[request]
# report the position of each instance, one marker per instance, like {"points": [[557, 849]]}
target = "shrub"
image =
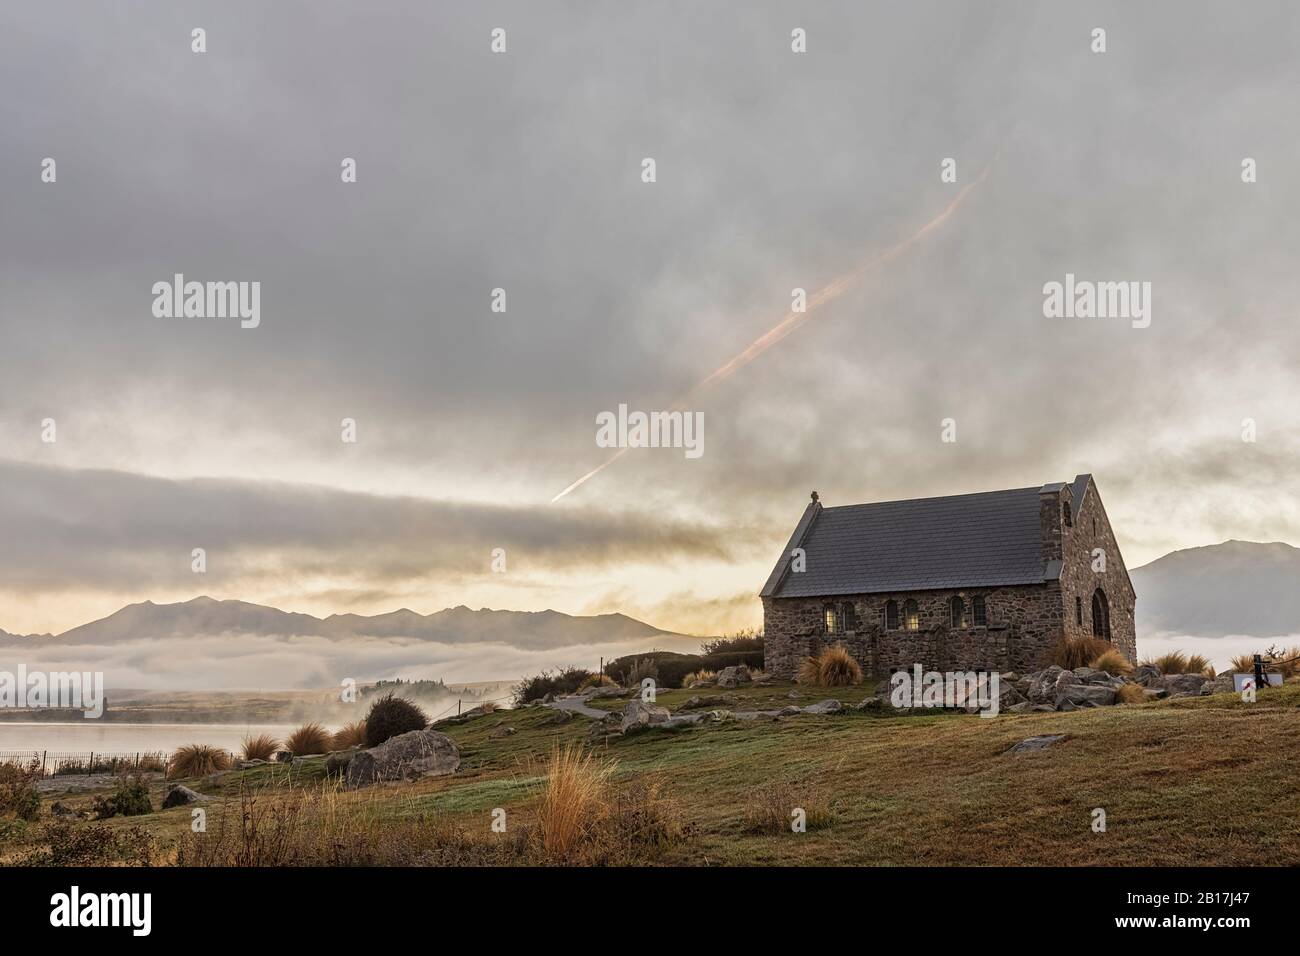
{"points": [[390, 717], [349, 735], [646, 667], [18, 795], [1112, 662], [93, 845], [597, 680], [555, 683], [1129, 694], [674, 667], [750, 640], [809, 672], [261, 747], [197, 760], [129, 799]]}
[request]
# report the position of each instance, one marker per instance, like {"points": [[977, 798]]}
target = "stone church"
{"points": [[988, 581]]}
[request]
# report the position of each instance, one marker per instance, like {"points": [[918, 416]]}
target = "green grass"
{"points": [[1189, 781]]}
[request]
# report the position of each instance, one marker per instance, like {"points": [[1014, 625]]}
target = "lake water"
{"points": [[103, 737]]}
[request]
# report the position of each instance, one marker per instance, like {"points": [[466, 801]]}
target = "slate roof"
{"points": [[981, 540]]}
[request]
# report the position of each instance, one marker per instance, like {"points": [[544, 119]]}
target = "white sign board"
{"points": [[1242, 681]]}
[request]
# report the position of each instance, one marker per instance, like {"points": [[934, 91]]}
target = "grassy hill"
{"points": [[1189, 781]]}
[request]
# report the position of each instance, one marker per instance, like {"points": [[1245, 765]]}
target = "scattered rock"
{"points": [[336, 764], [606, 690], [502, 732], [637, 714], [874, 704], [409, 756], [795, 695], [696, 702], [180, 796], [246, 764], [829, 706], [733, 676], [1035, 743], [1223, 684], [282, 756]]}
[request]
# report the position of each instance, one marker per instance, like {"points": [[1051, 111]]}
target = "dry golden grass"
{"points": [[1112, 662], [573, 801], [597, 680], [699, 675], [488, 707], [261, 747], [1078, 651], [310, 738], [1129, 693], [197, 760], [773, 807], [349, 735]]}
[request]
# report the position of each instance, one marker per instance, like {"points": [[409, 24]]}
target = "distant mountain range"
{"points": [[204, 616], [1237, 587]]}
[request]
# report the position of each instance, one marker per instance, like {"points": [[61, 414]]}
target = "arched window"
{"points": [[891, 615], [1068, 513], [1078, 610], [848, 617], [911, 615], [1100, 615], [957, 612], [979, 610], [828, 617]]}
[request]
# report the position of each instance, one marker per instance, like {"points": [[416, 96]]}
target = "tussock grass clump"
{"points": [[1244, 664], [573, 800], [391, 717], [772, 808], [261, 747], [1176, 662], [349, 735], [699, 676], [1078, 651], [310, 738], [1129, 693], [833, 667], [197, 760], [597, 680], [1112, 662]]}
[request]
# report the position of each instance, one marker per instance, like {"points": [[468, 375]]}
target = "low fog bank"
{"points": [[264, 663]]}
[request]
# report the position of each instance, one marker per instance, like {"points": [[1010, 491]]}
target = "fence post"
{"points": [[91, 768], [44, 753]]}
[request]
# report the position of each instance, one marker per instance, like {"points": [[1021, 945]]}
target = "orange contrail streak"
{"points": [[827, 293]]}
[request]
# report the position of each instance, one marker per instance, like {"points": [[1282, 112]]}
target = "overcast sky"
{"points": [[522, 171]]}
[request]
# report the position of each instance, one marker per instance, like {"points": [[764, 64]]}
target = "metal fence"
{"points": [[60, 762]]}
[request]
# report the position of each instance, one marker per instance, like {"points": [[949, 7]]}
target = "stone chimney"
{"points": [[1051, 499]]}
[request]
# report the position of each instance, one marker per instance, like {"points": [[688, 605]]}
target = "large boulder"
{"points": [[179, 796], [603, 691], [1085, 695], [1042, 686], [408, 756], [1223, 684], [1183, 685], [733, 676], [1148, 675], [637, 715]]}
